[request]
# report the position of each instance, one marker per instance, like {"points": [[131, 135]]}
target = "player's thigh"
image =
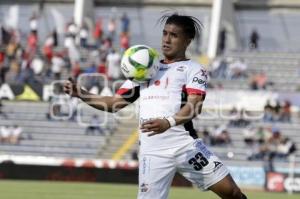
{"points": [[200, 166], [226, 188], [155, 176]]}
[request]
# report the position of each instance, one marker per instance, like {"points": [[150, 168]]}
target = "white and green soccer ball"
{"points": [[140, 63]]}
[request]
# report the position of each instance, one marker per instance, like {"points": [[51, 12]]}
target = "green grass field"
{"points": [[64, 190]]}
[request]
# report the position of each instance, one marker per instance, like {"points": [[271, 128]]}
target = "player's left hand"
{"points": [[155, 126]]}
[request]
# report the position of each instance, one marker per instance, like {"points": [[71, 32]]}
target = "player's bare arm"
{"points": [[104, 103], [190, 110]]}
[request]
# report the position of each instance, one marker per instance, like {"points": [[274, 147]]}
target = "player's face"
{"points": [[174, 42]]}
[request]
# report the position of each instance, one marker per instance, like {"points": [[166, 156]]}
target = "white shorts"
{"points": [[194, 161]]}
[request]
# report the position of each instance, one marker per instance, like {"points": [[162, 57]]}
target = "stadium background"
{"points": [[54, 145]]}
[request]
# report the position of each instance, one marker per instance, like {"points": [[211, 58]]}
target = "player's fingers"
{"points": [[67, 87], [145, 129], [154, 132], [147, 124], [71, 80], [149, 127]]}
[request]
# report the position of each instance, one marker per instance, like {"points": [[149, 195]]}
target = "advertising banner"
{"points": [[282, 182]]}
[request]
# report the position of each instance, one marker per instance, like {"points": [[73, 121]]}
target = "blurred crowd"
{"points": [[266, 142], [12, 134], [277, 112], [83, 50], [237, 69]]}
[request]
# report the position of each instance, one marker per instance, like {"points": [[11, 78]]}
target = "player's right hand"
{"points": [[71, 88]]}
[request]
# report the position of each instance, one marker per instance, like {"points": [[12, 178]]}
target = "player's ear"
{"points": [[188, 42]]}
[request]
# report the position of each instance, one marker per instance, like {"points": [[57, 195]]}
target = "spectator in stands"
{"points": [[220, 136], [111, 27], [5, 36], [92, 68], [37, 65], [98, 31], [72, 29], [259, 81], [5, 133], [102, 67], [268, 112], [254, 38], [239, 118], [13, 49], [124, 42], [72, 50], [237, 69], [59, 105], [27, 75], [249, 135], [13, 72], [32, 43], [33, 23], [285, 115], [57, 66], [76, 70], [286, 147], [94, 125], [2, 113], [48, 48], [262, 135], [222, 40], [113, 65], [3, 69], [83, 36], [206, 136], [55, 37], [125, 22], [106, 46], [94, 57], [219, 68], [16, 134], [92, 80], [277, 111], [74, 104]]}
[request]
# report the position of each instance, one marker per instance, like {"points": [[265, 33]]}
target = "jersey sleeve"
{"points": [[196, 80], [129, 90]]}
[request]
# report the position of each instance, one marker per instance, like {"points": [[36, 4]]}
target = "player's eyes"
{"points": [[174, 35]]}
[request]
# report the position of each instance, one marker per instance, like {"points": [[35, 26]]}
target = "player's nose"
{"points": [[166, 39]]}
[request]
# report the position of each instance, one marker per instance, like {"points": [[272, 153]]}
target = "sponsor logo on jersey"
{"points": [[156, 82], [155, 97], [144, 187], [163, 68], [203, 73], [181, 68], [217, 165], [198, 80]]}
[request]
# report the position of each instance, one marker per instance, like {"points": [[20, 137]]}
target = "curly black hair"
{"points": [[190, 25]]}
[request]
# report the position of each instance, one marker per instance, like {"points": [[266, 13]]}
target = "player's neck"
{"points": [[172, 60]]}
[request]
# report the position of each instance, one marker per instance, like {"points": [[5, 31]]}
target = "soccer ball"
{"points": [[140, 63]]}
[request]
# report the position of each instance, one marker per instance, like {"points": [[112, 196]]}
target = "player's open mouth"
{"points": [[164, 47]]}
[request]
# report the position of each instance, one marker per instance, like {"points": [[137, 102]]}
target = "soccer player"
{"points": [[168, 103]]}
